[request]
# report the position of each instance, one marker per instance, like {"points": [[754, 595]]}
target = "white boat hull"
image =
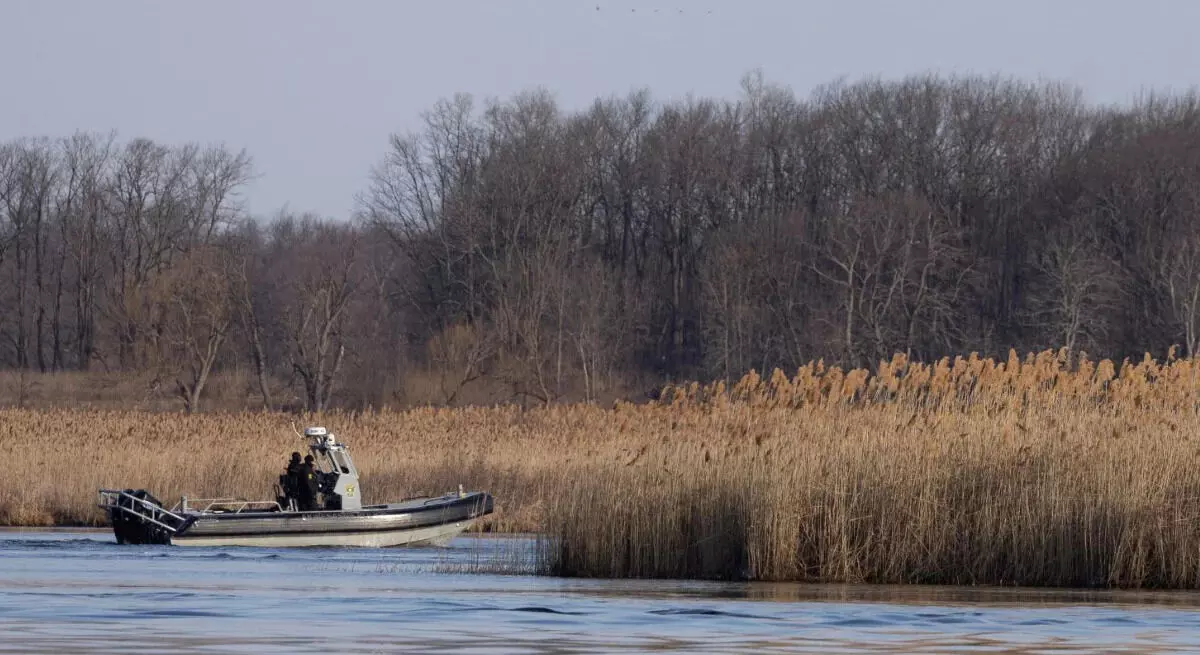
{"points": [[417, 521], [434, 535]]}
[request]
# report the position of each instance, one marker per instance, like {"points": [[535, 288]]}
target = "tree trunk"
{"points": [[39, 287], [57, 363], [260, 363]]}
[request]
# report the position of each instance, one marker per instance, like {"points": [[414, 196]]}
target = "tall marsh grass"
{"points": [[966, 471], [969, 471]]}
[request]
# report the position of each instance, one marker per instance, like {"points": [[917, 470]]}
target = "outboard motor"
{"points": [[133, 526]]}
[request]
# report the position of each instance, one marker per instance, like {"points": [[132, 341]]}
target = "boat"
{"points": [[338, 518]]}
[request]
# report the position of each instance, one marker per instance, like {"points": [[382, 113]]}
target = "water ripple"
{"points": [[703, 611], [546, 610], [67, 592]]}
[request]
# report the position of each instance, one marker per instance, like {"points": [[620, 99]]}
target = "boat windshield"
{"points": [[341, 462], [334, 461]]}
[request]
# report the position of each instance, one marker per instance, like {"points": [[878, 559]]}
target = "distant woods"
{"points": [[516, 251]]}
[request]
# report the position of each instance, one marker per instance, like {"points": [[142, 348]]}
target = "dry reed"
{"points": [[971, 471], [967, 471]]}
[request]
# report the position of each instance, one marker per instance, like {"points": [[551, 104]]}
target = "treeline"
{"points": [[544, 254]]}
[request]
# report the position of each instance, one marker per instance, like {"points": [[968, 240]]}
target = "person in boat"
{"points": [[294, 477], [308, 484]]}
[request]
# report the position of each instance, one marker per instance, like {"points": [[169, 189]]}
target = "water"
{"points": [[80, 592]]}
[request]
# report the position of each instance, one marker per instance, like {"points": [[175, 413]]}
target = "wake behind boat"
{"points": [[296, 518]]}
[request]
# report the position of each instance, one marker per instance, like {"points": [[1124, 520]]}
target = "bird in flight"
{"points": [[634, 10]]}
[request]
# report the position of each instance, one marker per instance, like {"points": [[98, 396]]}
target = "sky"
{"points": [[312, 90]]}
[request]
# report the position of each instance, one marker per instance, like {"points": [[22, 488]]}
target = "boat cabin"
{"points": [[337, 475]]}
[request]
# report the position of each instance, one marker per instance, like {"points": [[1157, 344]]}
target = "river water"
{"points": [[78, 591]]}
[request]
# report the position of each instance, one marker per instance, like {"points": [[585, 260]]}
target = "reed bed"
{"points": [[1042, 471], [1039, 471], [56, 460]]}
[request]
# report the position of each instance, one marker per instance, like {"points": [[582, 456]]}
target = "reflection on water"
{"points": [[80, 592]]}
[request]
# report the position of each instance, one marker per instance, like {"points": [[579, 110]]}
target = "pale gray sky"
{"points": [[312, 89]]}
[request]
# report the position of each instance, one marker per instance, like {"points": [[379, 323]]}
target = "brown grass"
{"points": [[58, 458], [968, 471], [963, 472]]}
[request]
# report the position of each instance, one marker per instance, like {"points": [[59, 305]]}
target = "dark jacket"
{"points": [[308, 479], [295, 476]]}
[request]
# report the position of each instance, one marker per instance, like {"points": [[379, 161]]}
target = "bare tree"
{"points": [[1074, 304], [735, 279], [521, 249], [320, 295], [80, 208], [850, 260], [1179, 275], [459, 356], [164, 202], [200, 314], [249, 314]]}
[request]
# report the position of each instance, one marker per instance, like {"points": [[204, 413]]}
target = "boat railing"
{"points": [[115, 500], [234, 505]]}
